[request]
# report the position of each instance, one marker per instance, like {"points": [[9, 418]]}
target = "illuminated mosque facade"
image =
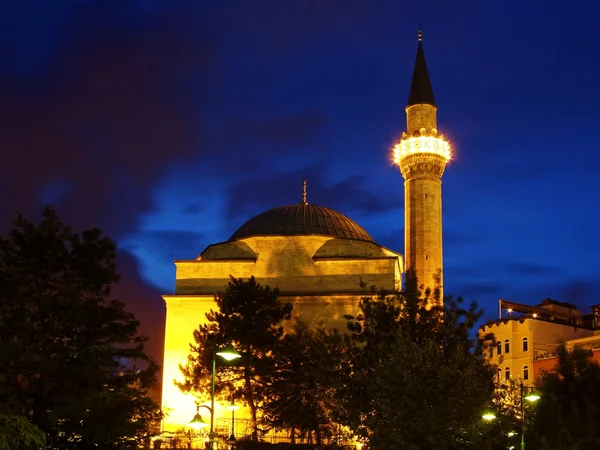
{"points": [[314, 255]]}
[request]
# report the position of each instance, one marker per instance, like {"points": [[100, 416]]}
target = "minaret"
{"points": [[422, 155]]}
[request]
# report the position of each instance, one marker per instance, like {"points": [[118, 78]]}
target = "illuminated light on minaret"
{"points": [[422, 155]]}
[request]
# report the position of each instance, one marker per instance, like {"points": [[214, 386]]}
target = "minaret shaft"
{"points": [[423, 230]]}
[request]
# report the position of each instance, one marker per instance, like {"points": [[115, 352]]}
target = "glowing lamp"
{"points": [[229, 353], [421, 144], [197, 423], [489, 416], [533, 397], [232, 406]]}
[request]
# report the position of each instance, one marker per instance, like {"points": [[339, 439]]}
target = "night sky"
{"points": [[168, 124]]}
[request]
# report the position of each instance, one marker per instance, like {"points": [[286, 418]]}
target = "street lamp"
{"points": [[228, 353], [232, 407], [197, 423], [488, 416], [531, 397]]}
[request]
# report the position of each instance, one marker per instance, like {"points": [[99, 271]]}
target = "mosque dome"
{"points": [[302, 219]]}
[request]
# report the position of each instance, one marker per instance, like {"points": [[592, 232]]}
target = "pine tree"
{"points": [[250, 317], [71, 360]]}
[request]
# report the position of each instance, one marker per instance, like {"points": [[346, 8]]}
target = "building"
{"points": [[528, 336], [314, 255], [422, 155]]}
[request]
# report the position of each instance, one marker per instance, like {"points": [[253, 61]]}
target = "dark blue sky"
{"points": [[169, 124]]}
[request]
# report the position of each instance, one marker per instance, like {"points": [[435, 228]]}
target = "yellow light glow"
{"points": [[488, 416], [198, 423], [421, 144], [534, 315], [509, 310]]}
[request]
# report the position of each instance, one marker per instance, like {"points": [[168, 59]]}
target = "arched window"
{"points": [[506, 346], [507, 373], [491, 352], [525, 344], [525, 372], [499, 348]]}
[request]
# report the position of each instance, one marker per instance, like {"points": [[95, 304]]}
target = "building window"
{"points": [[499, 348], [525, 372], [506, 346], [525, 345], [491, 352], [507, 373]]}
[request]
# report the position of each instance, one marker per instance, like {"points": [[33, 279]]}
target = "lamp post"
{"points": [[228, 353], [531, 397], [232, 407]]}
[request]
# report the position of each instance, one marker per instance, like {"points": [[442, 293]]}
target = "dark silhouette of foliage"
{"points": [[304, 382], [568, 413], [72, 362], [250, 317], [17, 433], [416, 377]]}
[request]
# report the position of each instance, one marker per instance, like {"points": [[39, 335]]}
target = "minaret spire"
{"points": [[304, 192], [421, 91]]}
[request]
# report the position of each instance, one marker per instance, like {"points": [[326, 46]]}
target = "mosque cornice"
{"points": [[222, 260], [298, 297], [353, 258]]}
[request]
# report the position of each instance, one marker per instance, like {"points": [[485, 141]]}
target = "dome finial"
{"points": [[420, 34], [304, 192]]}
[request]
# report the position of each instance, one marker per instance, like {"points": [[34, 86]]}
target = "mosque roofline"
{"points": [[283, 294], [279, 235], [522, 319], [347, 258], [179, 261]]}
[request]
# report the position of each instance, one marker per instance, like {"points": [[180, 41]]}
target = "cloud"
{"points": [[142, 300], [90, 124], [349, 196], [169, 245], [106, 114], [530, 269], [192, 208]]}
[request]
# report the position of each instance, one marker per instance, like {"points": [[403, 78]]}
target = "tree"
{"points": [[249, 316], [416, 378], [304, 381], [17, 433], [568, 412], [72, 361]]}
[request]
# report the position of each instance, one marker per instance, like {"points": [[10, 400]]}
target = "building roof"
{"points": [[420, 87], [301, 219]]}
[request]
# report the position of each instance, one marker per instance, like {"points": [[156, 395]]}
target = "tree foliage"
{"points": [[416, 378], [71, 361], [250, 317], [568, 412], [303, 385], [17, 433]]}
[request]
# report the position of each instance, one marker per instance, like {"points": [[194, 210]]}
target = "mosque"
{"points": [[317, 256]]}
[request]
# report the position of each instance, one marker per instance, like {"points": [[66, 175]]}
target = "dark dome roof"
{"points": [[301, 219]]}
